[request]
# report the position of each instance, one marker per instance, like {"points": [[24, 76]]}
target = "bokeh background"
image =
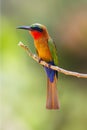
{"points": [[23, 81]]}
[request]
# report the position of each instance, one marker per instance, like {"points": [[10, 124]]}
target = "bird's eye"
{"points": [[37, 28]]}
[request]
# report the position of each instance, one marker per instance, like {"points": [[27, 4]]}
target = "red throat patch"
{"points": [[36, 35]]}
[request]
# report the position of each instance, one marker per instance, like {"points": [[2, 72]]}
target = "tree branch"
{"points": [[36, 58]]}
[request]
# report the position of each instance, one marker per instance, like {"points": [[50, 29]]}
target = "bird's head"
{"points": [[36, 30]]}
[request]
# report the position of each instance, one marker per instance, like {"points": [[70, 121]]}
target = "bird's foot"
{"points": [[39, 60]]}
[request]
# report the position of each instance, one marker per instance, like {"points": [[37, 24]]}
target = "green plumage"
{"points": [[53, 51]]}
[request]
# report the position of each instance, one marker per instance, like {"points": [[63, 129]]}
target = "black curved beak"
{"points": [[24, 27]]}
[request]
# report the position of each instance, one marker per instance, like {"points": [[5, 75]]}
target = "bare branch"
{"points": [[36, 58]]}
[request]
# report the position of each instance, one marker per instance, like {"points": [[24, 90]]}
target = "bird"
{"points": [[46, 51]]}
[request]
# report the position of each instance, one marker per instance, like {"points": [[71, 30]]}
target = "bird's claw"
{"points": [[39, 60]]}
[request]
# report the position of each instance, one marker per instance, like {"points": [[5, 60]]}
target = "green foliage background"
{"points": [[23, 81]]}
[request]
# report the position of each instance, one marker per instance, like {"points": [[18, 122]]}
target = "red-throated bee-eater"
{"points": [[46, 51]]}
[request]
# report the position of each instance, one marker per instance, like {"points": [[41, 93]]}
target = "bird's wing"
{"points": [[53, 50]]}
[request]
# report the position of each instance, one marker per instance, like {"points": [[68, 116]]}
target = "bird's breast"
{"points": [[43, 50]]}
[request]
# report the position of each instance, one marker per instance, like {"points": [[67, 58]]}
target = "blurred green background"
{"points": [[23, 81]]}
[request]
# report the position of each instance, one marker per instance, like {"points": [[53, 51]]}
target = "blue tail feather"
{"points": [[50, 73]]}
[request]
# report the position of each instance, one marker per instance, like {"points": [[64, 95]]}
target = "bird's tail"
{"points": [[52, 96]]}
